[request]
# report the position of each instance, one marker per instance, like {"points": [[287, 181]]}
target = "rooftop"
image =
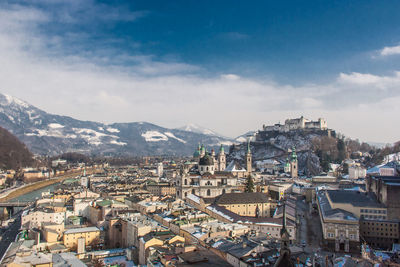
{"points": [[241, 198], [355, 198], [82, 230]]}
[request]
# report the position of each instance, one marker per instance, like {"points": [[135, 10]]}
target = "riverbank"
{"points": [[29, 188], [38, 185]]}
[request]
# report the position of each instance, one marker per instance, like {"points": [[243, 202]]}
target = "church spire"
{"points": [[284, 257], [285, 237]]}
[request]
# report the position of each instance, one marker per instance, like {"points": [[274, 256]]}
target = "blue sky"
{"points": [[179, 62]]}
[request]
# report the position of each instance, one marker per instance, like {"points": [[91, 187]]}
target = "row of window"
{"points": [[374, 217], [381, 224], [373, 211], [381, 234], [332, 235]]}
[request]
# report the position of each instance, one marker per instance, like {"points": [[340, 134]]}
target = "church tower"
{"points": [[294, 172], [284, 257], [221, 159], [248, 159], [202, 151]]}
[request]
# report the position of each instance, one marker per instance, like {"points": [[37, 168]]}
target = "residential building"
{"points": [[90, 235]]}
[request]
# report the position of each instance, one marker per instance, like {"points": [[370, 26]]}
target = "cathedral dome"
{"points": [[207, 160], [196, 154]]}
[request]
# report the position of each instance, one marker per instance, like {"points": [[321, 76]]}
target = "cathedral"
{"points": [[208, 175]]}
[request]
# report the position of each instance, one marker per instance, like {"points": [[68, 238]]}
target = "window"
{"points": [[208, 192]]}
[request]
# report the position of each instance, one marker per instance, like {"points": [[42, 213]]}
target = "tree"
{"points": [[341, 146], [249, 184]]}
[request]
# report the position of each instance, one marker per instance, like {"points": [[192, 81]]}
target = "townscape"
{"points": [[207, 210], [199, 133]]}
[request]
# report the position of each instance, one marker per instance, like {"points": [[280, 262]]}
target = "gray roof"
{"points": [[82, 230], [333, 214], [241, 198], [355, 198]]}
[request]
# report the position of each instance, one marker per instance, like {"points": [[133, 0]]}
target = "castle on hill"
{"points": [[297, 124]]}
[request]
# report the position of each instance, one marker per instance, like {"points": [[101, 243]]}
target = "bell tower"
{"points": [[221, 159], [294, 172], [248, 159]]}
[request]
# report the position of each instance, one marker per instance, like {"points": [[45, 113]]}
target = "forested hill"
{"points": [[13, 153]]}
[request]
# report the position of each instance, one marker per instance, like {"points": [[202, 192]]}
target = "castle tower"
{"points": [[248, 159], [221, 159], [294, 172]]}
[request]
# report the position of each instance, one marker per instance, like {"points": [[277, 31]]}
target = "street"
{"points": [[9, 234]]}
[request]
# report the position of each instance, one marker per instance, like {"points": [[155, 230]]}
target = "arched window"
{"points": [[185, 181], [208, 192], [207, 168], [185, 194], [193, 191]]}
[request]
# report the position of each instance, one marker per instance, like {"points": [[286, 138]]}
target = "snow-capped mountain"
{"points": [[50, 134], [246, 137], [194, 128]]}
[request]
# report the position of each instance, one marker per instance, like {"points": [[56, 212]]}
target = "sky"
{"points": [[230, 66]]}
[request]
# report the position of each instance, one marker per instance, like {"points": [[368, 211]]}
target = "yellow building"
{"points": [[90, 234], [246, 204]]}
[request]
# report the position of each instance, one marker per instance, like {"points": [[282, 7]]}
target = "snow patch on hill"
{"points": [[197, 129], [115, 142], [51, 133], [112, 130], [154, 136], [169, 134], [55, 126], [16, 101], [91, 136]]}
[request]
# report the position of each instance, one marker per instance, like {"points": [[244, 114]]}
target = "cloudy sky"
{"points": [[231, 66]]}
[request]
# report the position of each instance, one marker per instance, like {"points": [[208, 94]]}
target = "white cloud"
{"points": [[359, 78], [390, 50], [232, 77]]}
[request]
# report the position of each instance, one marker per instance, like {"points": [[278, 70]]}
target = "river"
{"points": [[32, 196]]}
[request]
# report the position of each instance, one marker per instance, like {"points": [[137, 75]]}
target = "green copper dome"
{"points": [[196, 154]]}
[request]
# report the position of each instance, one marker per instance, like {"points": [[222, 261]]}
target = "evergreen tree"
{"points": [[249, 184], [341, 146]]}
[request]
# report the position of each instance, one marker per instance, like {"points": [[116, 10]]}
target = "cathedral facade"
{"points": [[208, 177]]}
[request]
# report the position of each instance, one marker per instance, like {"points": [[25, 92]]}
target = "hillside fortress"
{"points": [[293, 127], [297, 124]]}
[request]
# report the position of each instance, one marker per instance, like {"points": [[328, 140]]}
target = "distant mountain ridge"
{"points": [[50, 134], [194, 128]]}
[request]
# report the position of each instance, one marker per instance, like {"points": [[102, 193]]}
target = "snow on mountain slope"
{"points": [[50, 134], [194, 128]]}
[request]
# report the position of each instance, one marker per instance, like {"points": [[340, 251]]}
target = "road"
{"points": [[310, 230], [9, 234]]}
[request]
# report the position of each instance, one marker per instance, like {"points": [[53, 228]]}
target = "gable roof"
{"points": [[241, 198]]}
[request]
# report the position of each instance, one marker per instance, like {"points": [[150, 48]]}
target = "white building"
{"points": [[356, 172]]}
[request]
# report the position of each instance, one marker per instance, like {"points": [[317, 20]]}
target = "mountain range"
{"points": [[49, 134]]}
